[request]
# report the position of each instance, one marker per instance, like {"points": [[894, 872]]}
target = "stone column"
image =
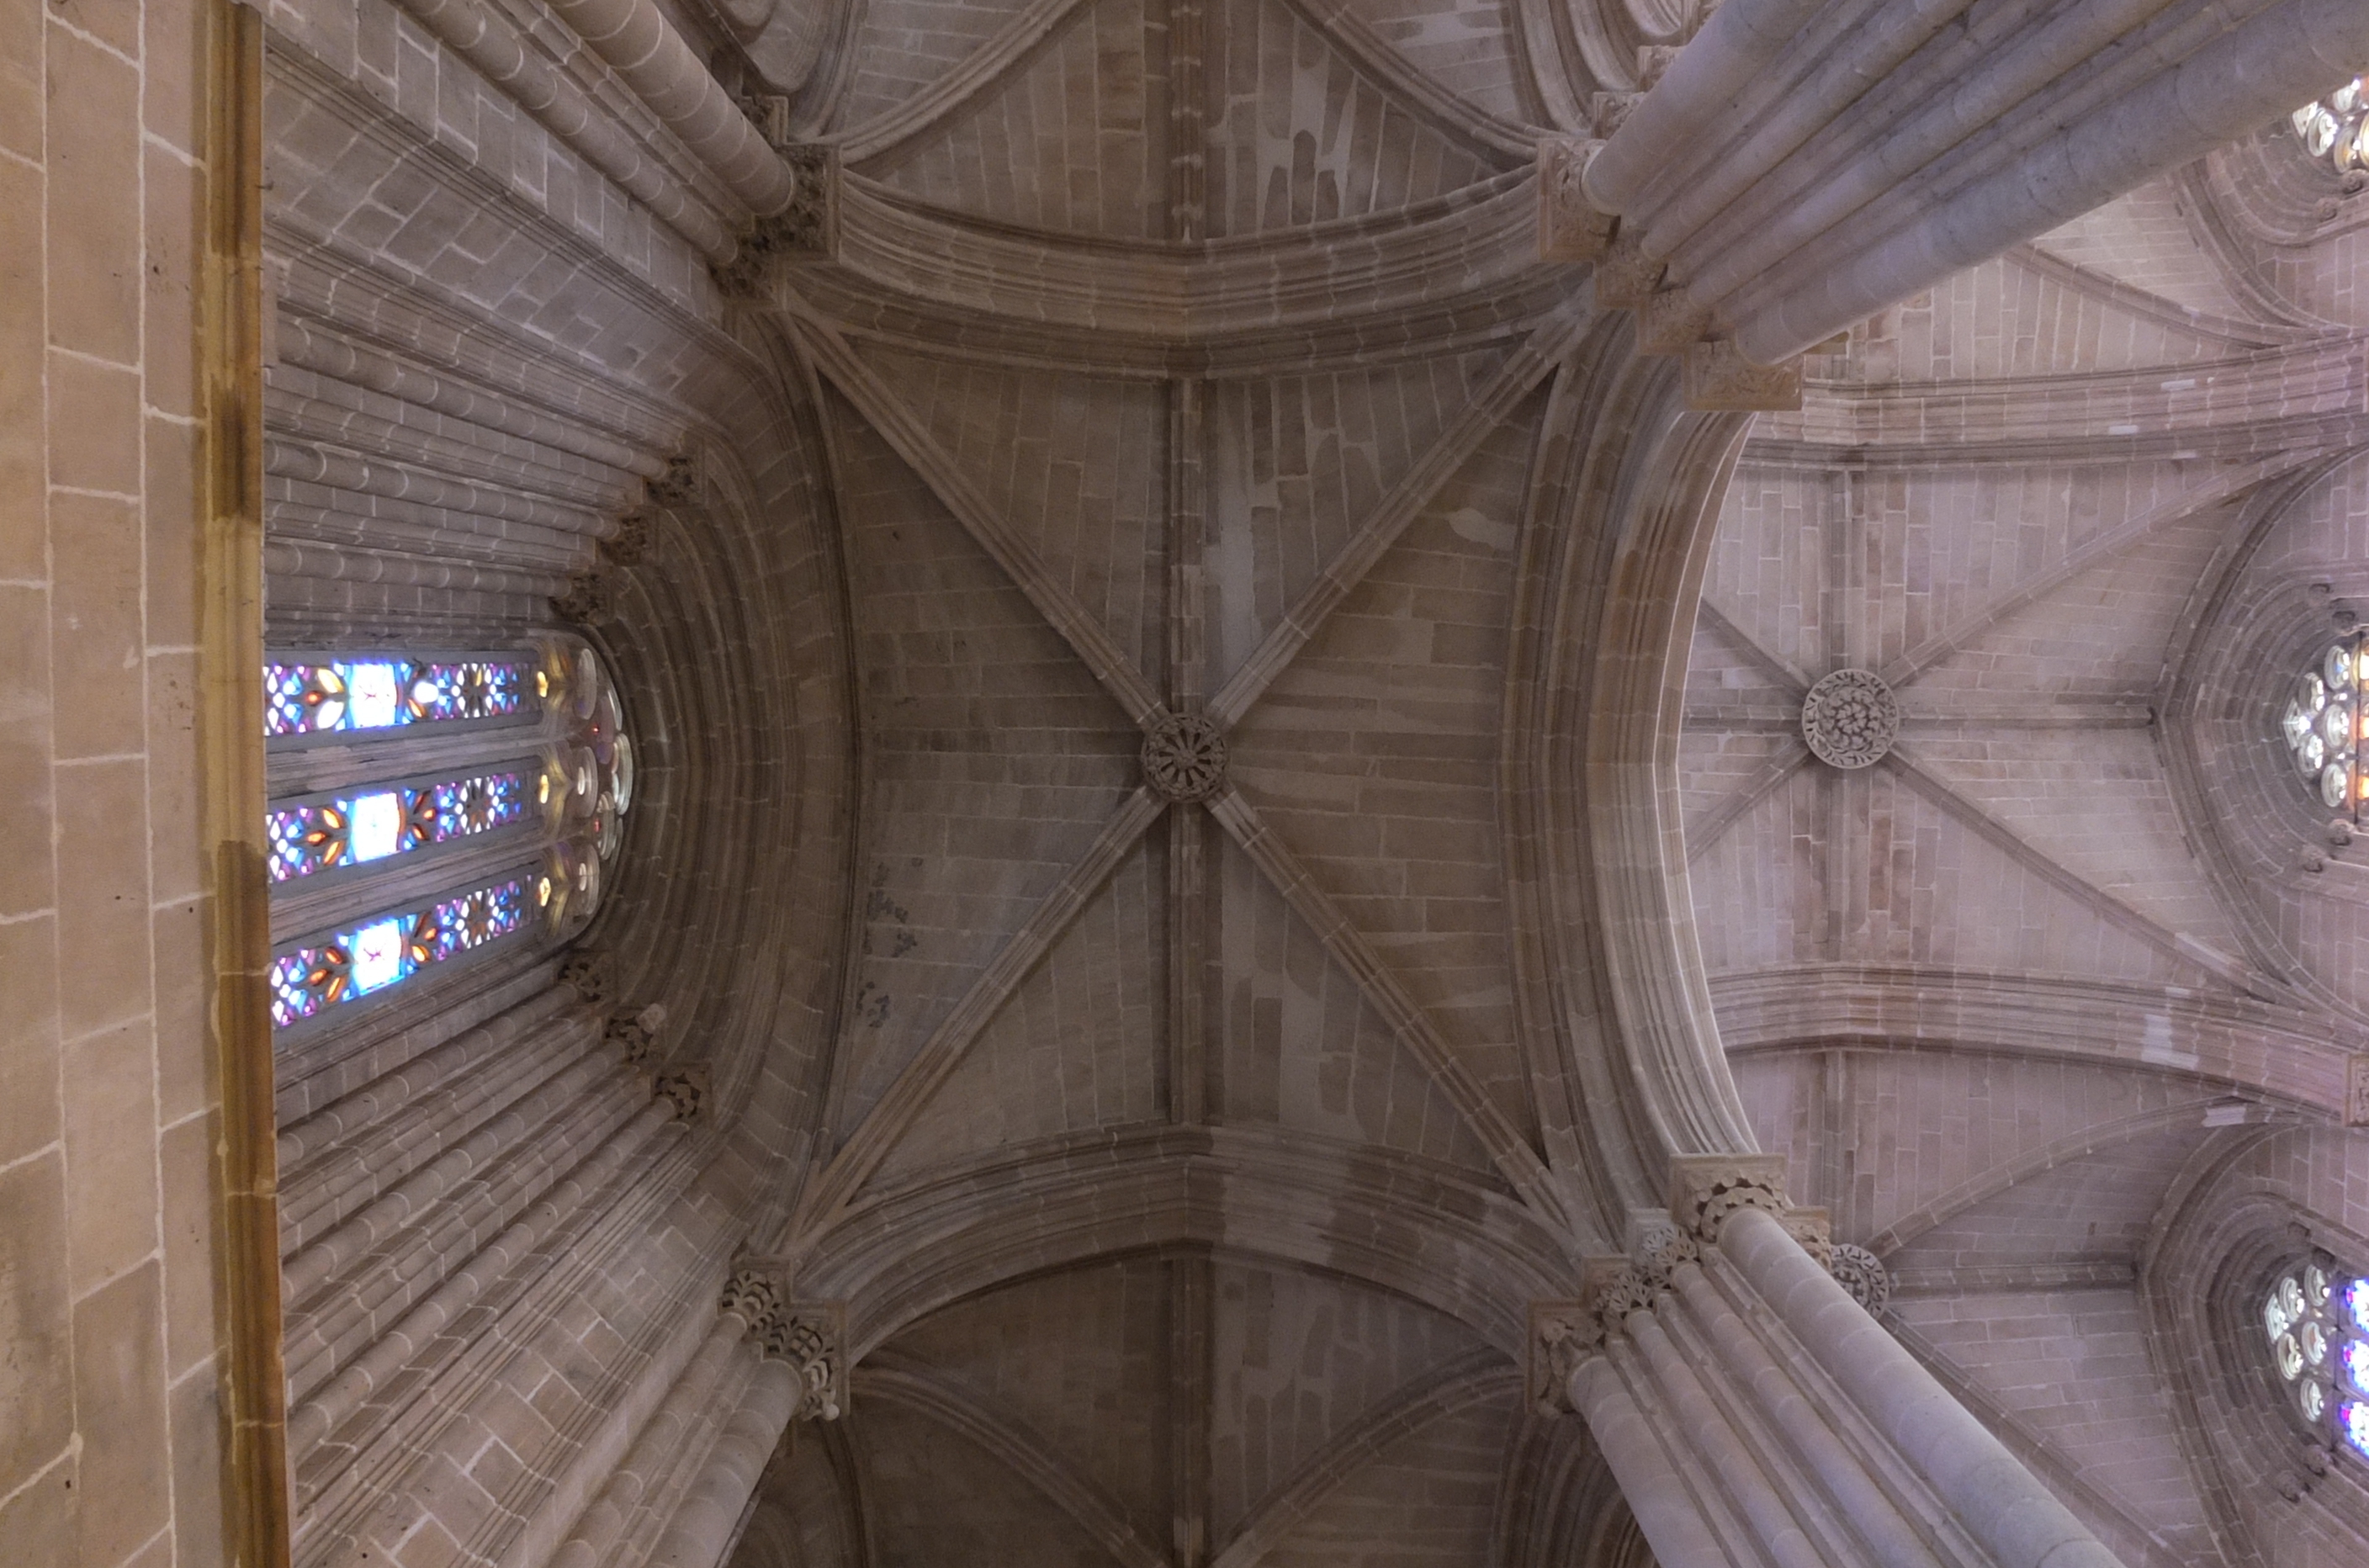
{"points": [[1757, 1413], [800, 1373]]}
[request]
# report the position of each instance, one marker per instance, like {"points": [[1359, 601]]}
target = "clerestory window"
{"points": [[2337, 127], [2324, 726], [2316, 1322], [427, 807]]}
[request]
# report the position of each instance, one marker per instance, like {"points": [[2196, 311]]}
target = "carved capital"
{"points": [[629, 543], [805, 230], [1814, 1231], [1564, 1334], [1607, 110], [1719, 379], [1570, 228], [586, 971], [1706, 1189], [811, 1338], [588, 600], [685, 1089], [678, 486], [1862, 1272], [635, 1033], [1652, 61]]}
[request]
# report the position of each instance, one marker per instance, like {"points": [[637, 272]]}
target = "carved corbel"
{"points": [[1720, 378], [1570, 228]]}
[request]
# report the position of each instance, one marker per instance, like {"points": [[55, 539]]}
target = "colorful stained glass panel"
{"points": [[358, 828], [358, 695], [385, 951]]}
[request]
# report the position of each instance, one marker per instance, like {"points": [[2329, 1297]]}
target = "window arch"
{"points": [[425, 807], [2324, 727], [2314, 1320], [2336, 128]]}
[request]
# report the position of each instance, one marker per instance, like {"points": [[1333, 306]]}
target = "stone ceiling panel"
{"points": [[1757, 900], [1296, 466], [1297, 134], [903, 46], [1375, 756], [1077, 466], [1081, 1044], [935, 1497], [1469, 47], [2144, 239], [1300, 1358], [1068, 140], [2097, 1210], [1299, 1045], [1082, 1360], [995, 761], [2097, 803], [1428, 1501]]}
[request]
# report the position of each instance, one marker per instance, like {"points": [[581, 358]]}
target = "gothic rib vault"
{"points": [[1315, 880]]}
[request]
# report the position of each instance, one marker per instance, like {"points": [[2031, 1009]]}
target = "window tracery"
{"points": [[2317, 1324], [2336, 128], [2324, 724], [523, 837]]}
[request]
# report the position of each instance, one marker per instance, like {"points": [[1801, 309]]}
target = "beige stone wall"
{"points": [[108, 1111]]}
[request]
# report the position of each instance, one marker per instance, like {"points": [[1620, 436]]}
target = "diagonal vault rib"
{"points": [[1530, 364], [1349, 948], [903, 430]]}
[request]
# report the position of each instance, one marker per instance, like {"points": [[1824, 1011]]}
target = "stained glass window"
{"points": [[311, 979], [312, 698], [2315, 1325], [311, 836], [2337, 127], [562, 775], [2324, 727]]}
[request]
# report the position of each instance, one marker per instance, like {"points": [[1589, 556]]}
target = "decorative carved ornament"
{"points": [[1850, 720], [1570, 228], [1184, 757], [586, 971], [807, 1336], [1862, 1272], [1706, 1189], [635, 1033], [588, 600], [2356, 1090], [685, 1090], [807, 229], [1719, 379]]}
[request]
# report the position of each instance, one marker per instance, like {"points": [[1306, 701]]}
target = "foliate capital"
{"points": [[1564, 1334], [810, 1337], [1706, 1189]]}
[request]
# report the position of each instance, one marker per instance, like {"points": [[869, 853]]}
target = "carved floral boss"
{"points": [[1183, 759]]}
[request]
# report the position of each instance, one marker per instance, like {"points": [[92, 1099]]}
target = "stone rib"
{"points": [[1508, 1148]]}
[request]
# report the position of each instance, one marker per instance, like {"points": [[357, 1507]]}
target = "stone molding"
{"points": [[1183, 759], [1850, 720], [810, 1337]]}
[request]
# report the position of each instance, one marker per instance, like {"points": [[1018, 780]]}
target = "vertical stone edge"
{"points": [[253, 1381]]}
